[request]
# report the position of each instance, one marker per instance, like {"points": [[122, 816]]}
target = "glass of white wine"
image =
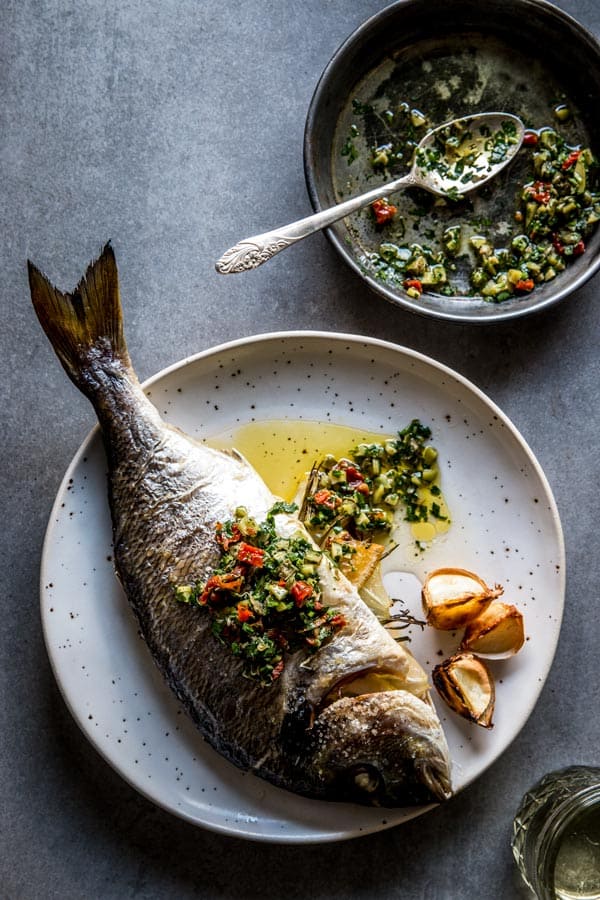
{"points": [[556, 835]]}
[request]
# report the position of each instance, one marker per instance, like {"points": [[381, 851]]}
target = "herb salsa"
{"points": [[429, 247], [555, 211], [361, 495], [264, 597]]}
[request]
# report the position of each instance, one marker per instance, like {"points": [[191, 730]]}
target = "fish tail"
{"points": [[84, 327]]}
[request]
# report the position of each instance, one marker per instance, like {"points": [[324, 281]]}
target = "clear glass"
{"points": [[556, 835]]}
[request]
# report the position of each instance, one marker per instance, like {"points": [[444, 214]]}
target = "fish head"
{"points": [[381, 749]]}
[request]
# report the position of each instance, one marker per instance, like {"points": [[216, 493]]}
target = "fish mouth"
{"points": [[381, 749]]}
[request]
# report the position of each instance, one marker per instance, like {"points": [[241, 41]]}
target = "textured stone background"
{"points": [[173, 127]]}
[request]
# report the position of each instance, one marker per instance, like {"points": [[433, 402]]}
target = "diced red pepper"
{"points": [[540, 191], [356, 480], [530, 138], [244, 612], [301, 591], [325, 498], [254, 556], [224, 539], [352, 474], [525, 284], [558, 244], [232, 582], [579, 248], [571, 159], [338, 621], [383, 211], [414, 283]]}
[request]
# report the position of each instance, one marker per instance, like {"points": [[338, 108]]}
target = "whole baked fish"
{"points": [[349, 720]]}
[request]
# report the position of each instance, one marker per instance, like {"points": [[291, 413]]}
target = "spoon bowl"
{"points": [[464, 154], [450, 161]]}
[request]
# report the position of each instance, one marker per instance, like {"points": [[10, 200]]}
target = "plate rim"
{"points": [[240, 830]]}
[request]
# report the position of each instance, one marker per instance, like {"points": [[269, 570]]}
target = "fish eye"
{"points": [[366, 779]]}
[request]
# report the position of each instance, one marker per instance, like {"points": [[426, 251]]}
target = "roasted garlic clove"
{"points": [[466, 684], [497, 632], [452, 597]]}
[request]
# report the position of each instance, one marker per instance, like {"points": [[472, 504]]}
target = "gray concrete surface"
{"points": [[172, 127]]}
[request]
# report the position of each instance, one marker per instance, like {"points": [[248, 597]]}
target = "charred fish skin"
{"points": [[167, 492]]}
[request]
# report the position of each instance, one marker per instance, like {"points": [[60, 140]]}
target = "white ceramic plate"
{"points": [[505, 527]]}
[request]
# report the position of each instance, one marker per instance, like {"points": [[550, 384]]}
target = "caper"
{"points": [[430, 454], [562, 112], [378, 493]]}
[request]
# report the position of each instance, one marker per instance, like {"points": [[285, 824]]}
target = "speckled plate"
{"points": [[504, 526]]}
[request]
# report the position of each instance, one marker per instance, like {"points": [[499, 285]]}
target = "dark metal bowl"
{"points": [[562, 53]]}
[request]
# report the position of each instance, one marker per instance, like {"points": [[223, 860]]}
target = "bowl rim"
{"points": [[394, 296]]}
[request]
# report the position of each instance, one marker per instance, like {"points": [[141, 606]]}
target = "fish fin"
{"points": [[86, 324]]}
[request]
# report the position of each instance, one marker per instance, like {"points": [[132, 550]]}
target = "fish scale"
{"points": [[166, 493]]}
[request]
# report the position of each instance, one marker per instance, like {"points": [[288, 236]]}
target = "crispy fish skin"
{"points": [[166, 494]]}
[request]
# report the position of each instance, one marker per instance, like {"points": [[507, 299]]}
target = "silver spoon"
{"points": [[450, 161]]}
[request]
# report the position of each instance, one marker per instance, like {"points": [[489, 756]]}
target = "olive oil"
{"points": [[283, 451]]}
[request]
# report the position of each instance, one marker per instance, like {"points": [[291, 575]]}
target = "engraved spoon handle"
{"points": [[254, 251]]}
